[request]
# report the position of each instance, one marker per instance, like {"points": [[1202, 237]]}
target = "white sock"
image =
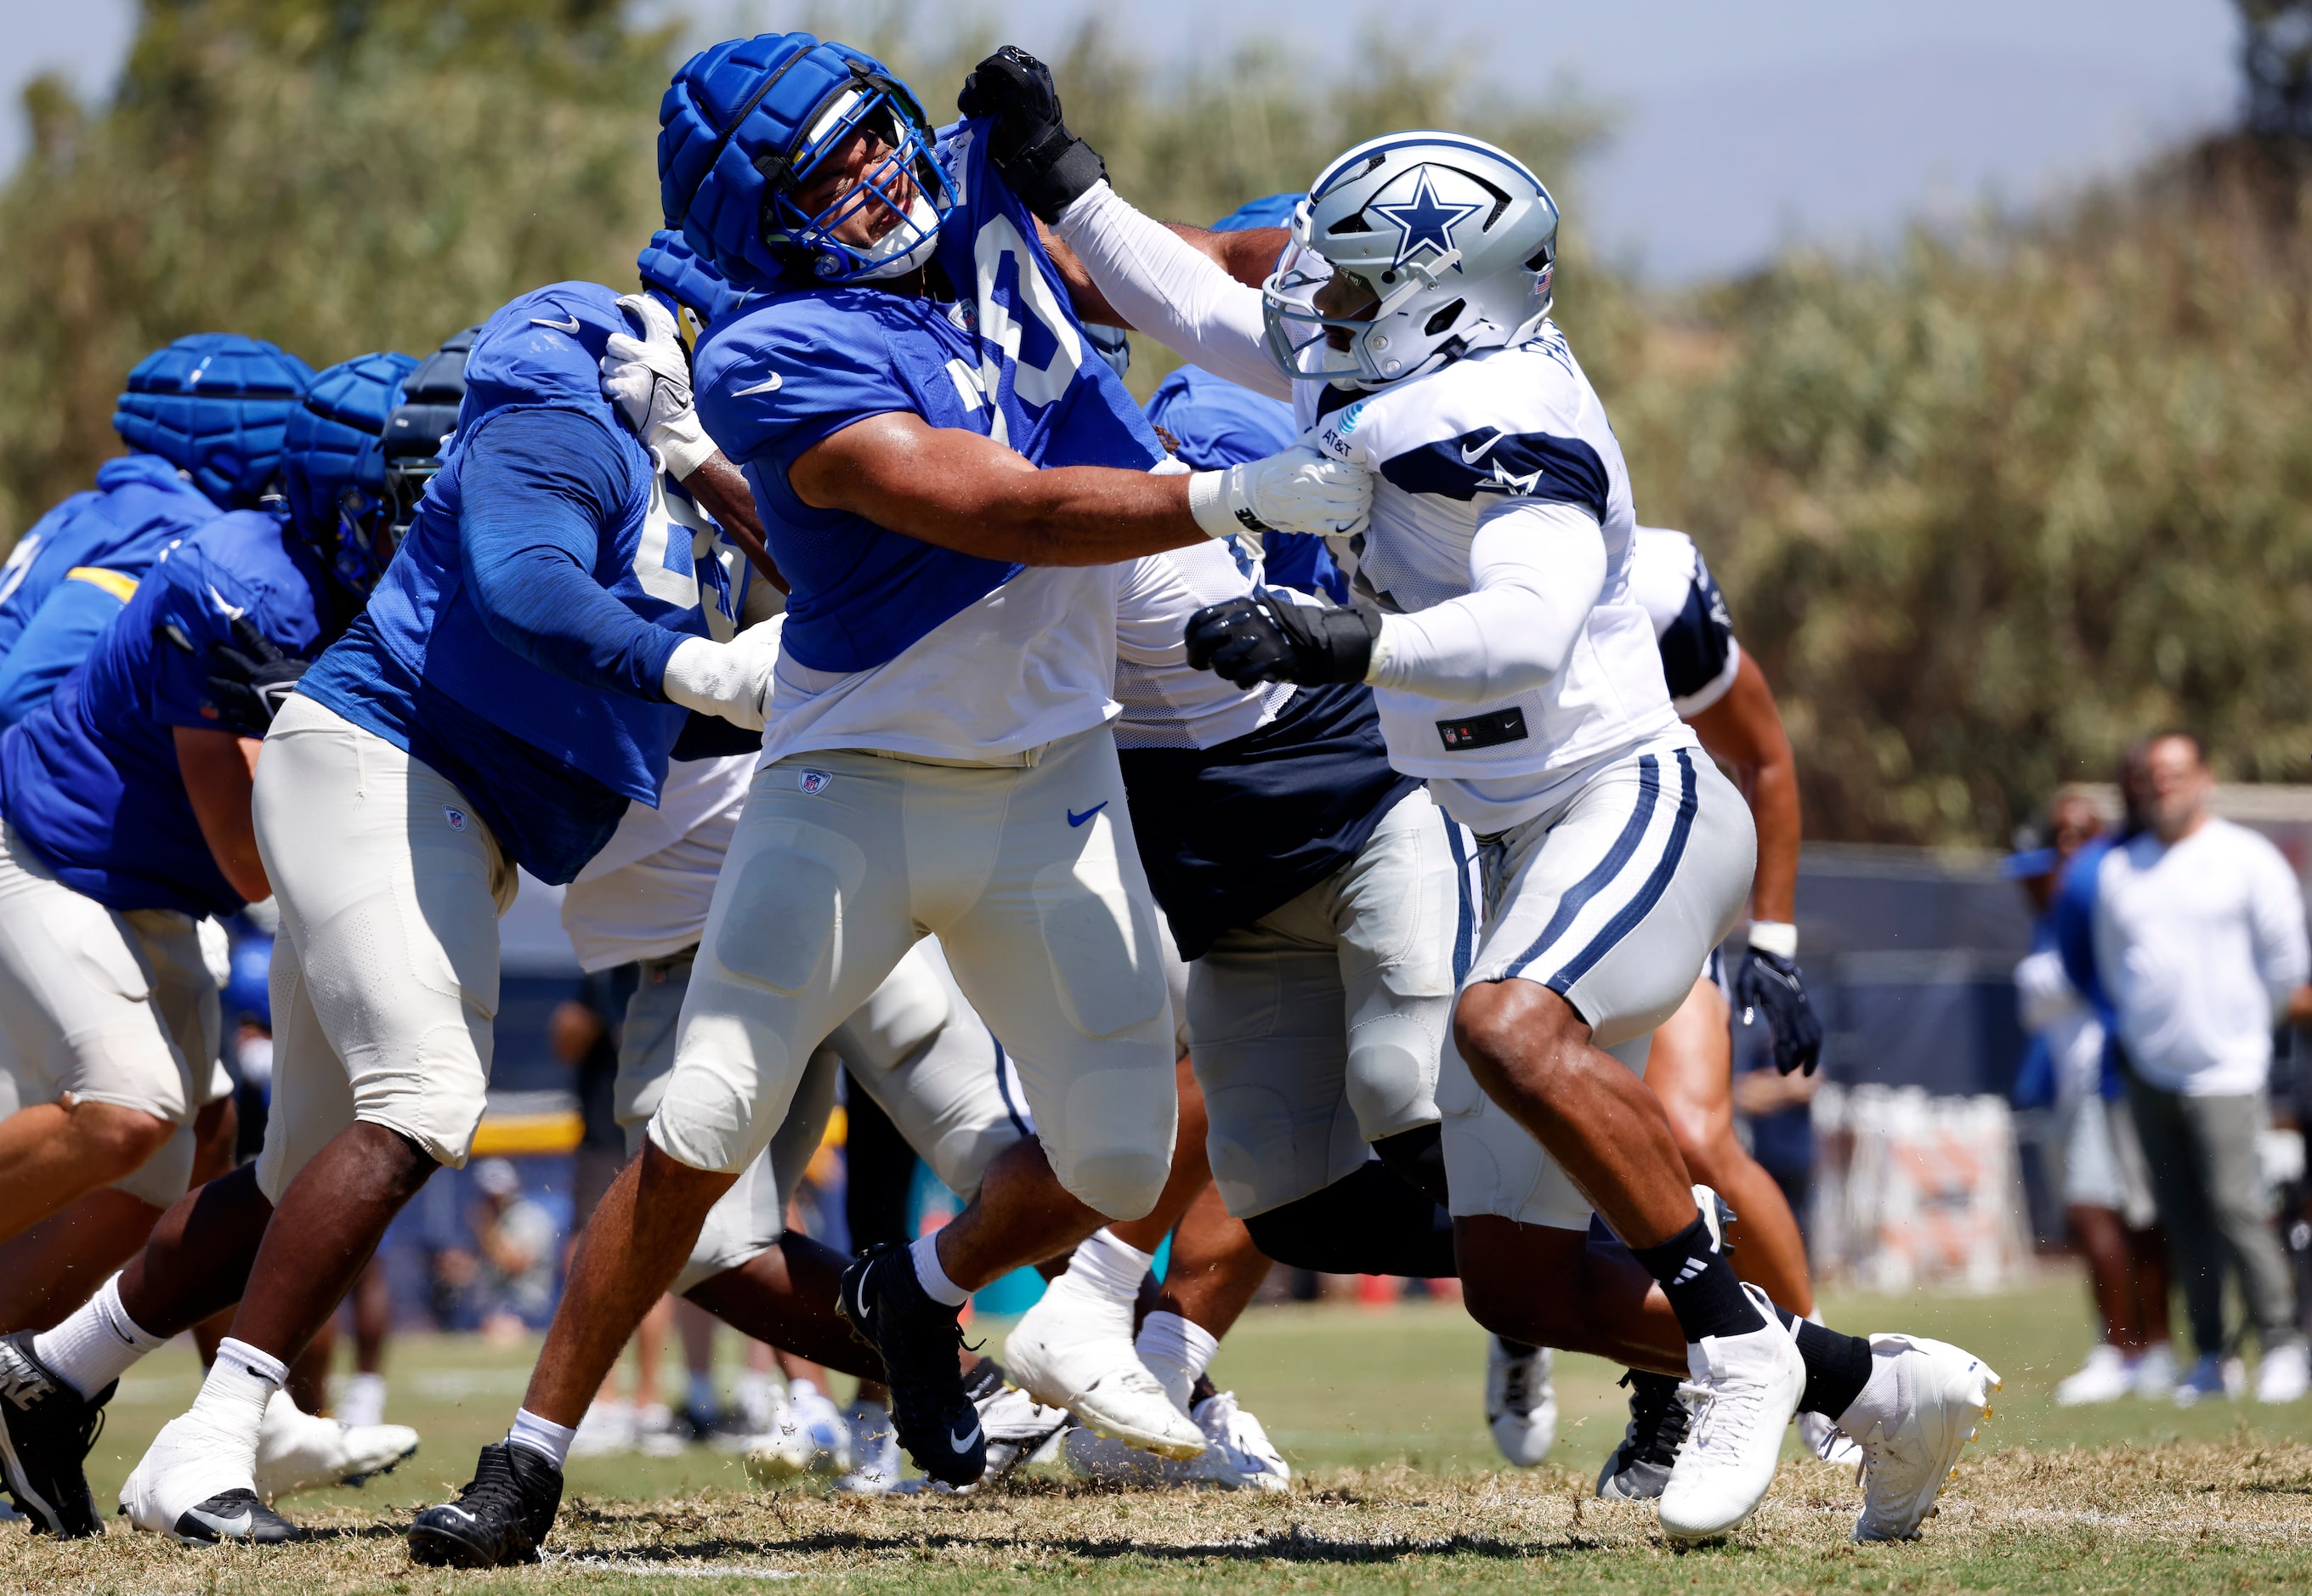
{"points": [[1109, 1267], [703, 1397], [232, 1404], [924, 1250], [363, 1399], [543, 1436], [798, 1389], [1176, 1350], [96, 1344]]}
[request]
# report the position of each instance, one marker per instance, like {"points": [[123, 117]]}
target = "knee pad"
{"points": [[1115, 1185], [1417, 1157], [1391, 1078], [1368, 1223]]}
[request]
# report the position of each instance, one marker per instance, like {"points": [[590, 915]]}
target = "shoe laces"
{"points": [[495, 1489], [1714, 1406], [1659, 1419]]}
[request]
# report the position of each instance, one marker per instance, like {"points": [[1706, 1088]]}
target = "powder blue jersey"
{"points": [[548, 723], [69, 575], [1005, 357], [91, 780]]}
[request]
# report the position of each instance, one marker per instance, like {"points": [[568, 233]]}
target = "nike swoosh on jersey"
{"points": [[770, 385], [224, 609], [570, 325], [1470, 456], [1076, 819]]}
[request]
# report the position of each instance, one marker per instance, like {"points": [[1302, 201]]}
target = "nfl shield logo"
{"points": [[813, 782], [456, 817]]}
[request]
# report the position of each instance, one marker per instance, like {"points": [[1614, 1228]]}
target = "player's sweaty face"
{"points": [[841, 171], [1345, 297]]}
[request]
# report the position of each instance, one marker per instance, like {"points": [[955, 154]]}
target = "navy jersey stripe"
{"points": [[1003, 1085], [1516, 465], [1639, 907], [1577, 896]]}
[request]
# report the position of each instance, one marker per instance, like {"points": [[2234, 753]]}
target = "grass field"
{"points": [[1378, 1411]]}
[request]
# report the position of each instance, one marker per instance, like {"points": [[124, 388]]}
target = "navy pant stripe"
{"points": [[1577, 896], [1464, 931], [1656, 884]]}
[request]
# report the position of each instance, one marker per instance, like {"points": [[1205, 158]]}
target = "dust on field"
{"points": [[2198, 1516]]}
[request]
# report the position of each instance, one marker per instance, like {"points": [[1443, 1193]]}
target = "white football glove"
{"points": [[1296, 490], [648, 379], [733, 680]]}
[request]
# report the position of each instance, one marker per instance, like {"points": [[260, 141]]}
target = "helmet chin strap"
{"points": [[923, 218]]}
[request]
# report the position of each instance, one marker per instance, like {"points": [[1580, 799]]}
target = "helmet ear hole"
{"points": [[1447, 315]]}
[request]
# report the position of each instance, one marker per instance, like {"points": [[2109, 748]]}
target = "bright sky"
{"points": [[1741, 125]]}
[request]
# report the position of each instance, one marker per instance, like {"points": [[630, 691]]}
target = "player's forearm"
{"points": [[220, 775], [721, 487], [1773, 793], [1161, 283], [1078, 515]]}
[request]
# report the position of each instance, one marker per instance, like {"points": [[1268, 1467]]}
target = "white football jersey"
{"points": [[1448, 451], [1166, 704], [646, 895], [1672, 583]]}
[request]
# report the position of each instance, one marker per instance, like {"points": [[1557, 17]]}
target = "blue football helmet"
{"points": [[417, 433], [697, 293], [214, 405], [742, 132], [333, 468], [1270, 209]]}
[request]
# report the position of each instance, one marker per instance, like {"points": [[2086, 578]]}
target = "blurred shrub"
{"points": [[1989, 508]]}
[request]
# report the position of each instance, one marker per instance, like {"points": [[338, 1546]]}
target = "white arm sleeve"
{"points": [[1535, 573], [1168, 289]]}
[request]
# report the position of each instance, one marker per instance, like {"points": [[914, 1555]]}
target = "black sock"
{"points": [[1702, 1288], [1838, 1368]]}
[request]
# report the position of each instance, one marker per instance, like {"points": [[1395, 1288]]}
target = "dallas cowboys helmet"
{"points": [[1455, 241], [742, 132], [213, 405], [417, 433], [333, 467]]}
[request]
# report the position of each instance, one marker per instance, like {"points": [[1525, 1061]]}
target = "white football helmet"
{"points": [[1456, 240]]}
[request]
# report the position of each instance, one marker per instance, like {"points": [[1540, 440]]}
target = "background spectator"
{"points": [[516, 1239], [2200, 942]]}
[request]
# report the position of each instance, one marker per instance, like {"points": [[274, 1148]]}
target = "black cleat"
{"points": [[46, 1430], [499, 1520], [919, 1340], [1639, 1467], [235, 1515]]}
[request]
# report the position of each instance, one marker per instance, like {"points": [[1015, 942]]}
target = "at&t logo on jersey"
{"points": [[811, 783], [1335, 435]]}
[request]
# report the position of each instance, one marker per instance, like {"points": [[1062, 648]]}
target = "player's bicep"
{"points": [[898, 471]]}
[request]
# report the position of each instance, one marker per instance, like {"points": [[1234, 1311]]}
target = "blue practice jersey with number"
{"points": [[550, 758], [1004, 357], [90, 779]]}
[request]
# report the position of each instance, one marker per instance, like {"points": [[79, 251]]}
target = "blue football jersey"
{"points": [[91, 780], [1005, 358], [550, 762], [1215, 423], [111, 535]]}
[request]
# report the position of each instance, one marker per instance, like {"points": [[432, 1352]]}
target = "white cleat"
{"points": [[1520, 1401], [1827, 1441], [1238, 1456], [362, 1403], [1020, 1429], [194, 1486], [297, 1450], [1073, 1351], [607, 1430], [875, 1462], [2153, 1374], [2104, 1377], [1920, 1408], [828, 1437], [1742, 1394], [2286, 1375]]}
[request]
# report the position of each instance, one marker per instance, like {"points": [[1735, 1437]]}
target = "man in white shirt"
{"points": [[2200, 939]]}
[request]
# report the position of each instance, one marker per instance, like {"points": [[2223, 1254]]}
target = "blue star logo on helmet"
{"points": [[1424, 221]]}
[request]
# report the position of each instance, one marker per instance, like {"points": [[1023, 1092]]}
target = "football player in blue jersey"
{"points": [[128, 798], [945, 478], [204, 417], [1410, 327], [501, 698]]}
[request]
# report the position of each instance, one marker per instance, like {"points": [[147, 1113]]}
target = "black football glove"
{"points": [[1769, 982], [1045, 164], [1266, 638], [248, 684]]}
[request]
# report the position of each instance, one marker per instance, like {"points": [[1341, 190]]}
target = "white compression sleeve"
{"points": [[1167, 288], [1535, 573]]}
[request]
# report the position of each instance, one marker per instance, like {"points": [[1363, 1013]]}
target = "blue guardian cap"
{"points": [[214, 405], [699, 295], [333, 468], [745, 131]]}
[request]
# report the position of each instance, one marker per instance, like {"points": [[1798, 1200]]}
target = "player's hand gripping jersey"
{"points": [[891, 642], [518, 643]]}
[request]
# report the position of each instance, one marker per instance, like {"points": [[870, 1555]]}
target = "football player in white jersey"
{"points": [[1411, 331]]}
